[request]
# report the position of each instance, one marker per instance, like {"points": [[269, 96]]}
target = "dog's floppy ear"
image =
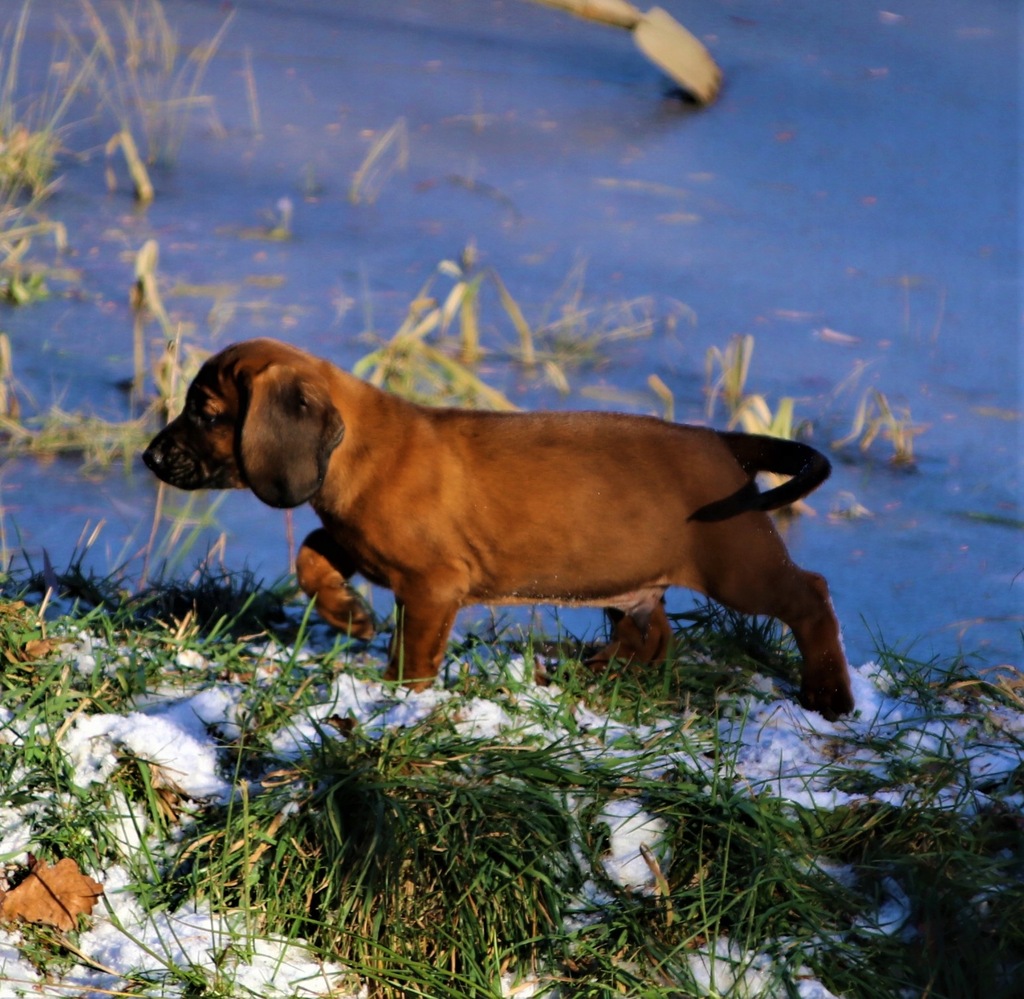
{"points": [[289, 429]]}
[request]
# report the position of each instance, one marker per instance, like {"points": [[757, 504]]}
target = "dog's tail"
{"points": [[756, 453]]}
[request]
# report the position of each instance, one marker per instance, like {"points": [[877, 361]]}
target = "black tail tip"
{"points": [[744, 499]]}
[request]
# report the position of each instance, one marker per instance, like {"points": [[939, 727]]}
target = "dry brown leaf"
{"points": [[13, 609], [53, 896], [170, 795], [168, 804], [39, 648], [31, 651]]}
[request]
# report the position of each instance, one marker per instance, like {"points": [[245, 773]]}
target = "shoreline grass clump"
{"points": [[877, 417], [30, 143], [147, 81], [30, 128], [224, 765], [155, 389], [438, 355]]}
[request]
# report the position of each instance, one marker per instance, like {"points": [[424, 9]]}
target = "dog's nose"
{"points": [[153, 457]]}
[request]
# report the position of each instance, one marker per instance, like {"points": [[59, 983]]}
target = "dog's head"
{"points": [[259, 415]]}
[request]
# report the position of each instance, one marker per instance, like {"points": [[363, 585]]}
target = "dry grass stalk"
{"points": [[9, 406], [664, 393], [388, 154], [141, 182], [876, 417]]}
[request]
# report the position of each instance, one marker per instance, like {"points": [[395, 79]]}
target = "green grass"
{"points": [[432, 860]]}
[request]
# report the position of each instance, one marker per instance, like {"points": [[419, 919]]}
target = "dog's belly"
{"points": [[631, 602], [537, 576], [610, 562]]}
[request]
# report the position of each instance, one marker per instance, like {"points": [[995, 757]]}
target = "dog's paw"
{"points": [[344, 610], [352, 620], [830, 700], [361, 627]]}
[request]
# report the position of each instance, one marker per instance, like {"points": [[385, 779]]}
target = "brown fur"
{"points": [[449, 507]]}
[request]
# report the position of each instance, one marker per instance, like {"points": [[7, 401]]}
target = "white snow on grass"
{"points": [[766, 743], [784, 750], [631, 831], [725, 969], [174, 736], [128, 939]]}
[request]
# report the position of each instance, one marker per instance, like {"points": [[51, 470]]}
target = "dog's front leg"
{"points": [[322, 568], [421, 636]]}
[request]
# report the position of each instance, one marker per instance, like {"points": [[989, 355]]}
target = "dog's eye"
{"points": [[208, 420]]}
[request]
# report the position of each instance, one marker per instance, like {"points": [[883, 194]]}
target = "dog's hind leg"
{"points": [[761, 579], [322, 568], [825, 683], [641, 634]]}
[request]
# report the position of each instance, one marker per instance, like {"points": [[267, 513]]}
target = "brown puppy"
{"points": [[448, 507]]}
